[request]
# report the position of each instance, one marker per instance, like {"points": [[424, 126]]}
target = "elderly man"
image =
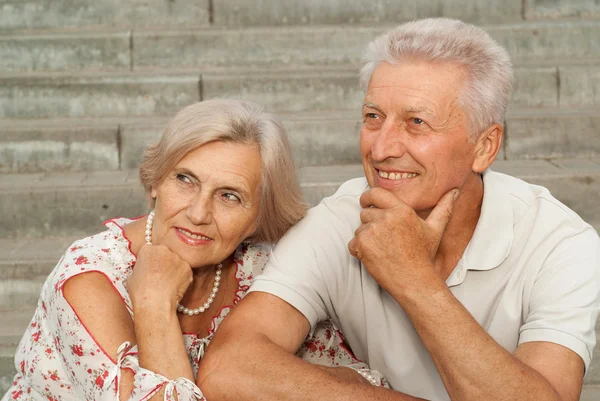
{"points": [[454, 281]]}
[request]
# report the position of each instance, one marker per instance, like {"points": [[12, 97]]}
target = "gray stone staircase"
{"points": [[86, 84]]}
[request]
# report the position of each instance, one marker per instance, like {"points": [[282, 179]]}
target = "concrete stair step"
{"points": [[65, 204], [46, 145], [539, 43], [273, 12], [535, 9], [281, 90], [76, 14], [36, 14]]}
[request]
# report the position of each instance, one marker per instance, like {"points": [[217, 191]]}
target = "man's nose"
{"points": [[389, 142]]}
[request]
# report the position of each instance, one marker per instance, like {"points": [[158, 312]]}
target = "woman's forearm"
{"points": [[160, 342]]}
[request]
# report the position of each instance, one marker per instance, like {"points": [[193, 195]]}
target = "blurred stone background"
{"points": [[86, 84]]}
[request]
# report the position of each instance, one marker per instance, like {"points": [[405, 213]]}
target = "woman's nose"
{"points": [[199, 210]]}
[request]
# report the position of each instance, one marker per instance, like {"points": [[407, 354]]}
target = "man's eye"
{"points": [[371, 115], [418, 121]]}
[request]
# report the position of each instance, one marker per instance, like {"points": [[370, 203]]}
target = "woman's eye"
{"points": [[418, 121], [183, 178], [231, 197]]}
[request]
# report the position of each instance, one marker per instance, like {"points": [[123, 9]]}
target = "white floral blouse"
{"points": [[59, 360]]}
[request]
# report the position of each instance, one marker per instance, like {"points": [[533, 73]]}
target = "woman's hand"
{"points": [[160, 278]]}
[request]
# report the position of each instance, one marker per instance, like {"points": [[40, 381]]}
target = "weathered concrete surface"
{"points": [[257, 47], [542, 9], [275, 12], [95, 96], [38, 14], [590, 393], [580, 86], [535, 87], [549, 43], [70, 147], [106, 51], [289, 91], [553, 136], [81, 202]]}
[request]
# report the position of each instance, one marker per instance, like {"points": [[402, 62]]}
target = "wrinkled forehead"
{"points": [[416, 86]]}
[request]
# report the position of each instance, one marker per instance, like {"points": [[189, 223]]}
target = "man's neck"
{"points": [[461, 226]]}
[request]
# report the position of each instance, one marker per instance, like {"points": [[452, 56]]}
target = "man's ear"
{"points": [[487, 147]]}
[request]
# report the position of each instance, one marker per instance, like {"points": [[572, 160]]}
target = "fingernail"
{"points": [[456, 193]]}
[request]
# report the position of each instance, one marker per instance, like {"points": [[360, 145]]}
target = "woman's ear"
{"points": [[153, 192], [487, 147]]}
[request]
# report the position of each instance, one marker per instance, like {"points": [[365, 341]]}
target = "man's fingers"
{"points": [[441, 213], [379, 198], [352, 248], [370, 214]]}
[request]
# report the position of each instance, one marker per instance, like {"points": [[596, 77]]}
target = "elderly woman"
{"points": [[127, 313]]}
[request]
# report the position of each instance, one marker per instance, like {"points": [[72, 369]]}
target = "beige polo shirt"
{"points": [[530, 273]]}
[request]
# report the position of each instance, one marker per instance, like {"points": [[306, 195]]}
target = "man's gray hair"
{"points": [[486, 93]]}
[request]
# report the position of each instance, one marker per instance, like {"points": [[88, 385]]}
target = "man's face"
{"points": [[413, 139]]}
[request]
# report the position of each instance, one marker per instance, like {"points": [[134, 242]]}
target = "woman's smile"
{"points": [[190, 238]]}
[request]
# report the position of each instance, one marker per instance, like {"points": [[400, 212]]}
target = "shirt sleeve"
{"points": [[565, 298], [306, 267]]}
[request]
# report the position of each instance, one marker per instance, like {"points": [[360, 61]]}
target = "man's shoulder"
{"points": [[531, 200]]}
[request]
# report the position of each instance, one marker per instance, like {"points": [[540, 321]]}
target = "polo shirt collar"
{"points": [[493, 236]]}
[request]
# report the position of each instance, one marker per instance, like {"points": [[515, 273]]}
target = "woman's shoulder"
{"points": [[108, 252], [252, 258]]}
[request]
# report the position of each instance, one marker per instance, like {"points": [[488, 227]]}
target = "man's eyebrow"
{"points": [[417, 110], [372, 106]]}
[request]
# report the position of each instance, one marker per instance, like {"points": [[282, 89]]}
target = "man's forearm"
{"points": [[472, 365], [264, 371]]}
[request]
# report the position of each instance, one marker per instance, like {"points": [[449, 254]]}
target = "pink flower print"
{"points": [[81, 260], [16, 394], [100, 379], [77, 350], [54, 375]]}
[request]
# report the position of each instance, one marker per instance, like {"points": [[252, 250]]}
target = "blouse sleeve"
{"points": [[88, 368], [327, 347]]}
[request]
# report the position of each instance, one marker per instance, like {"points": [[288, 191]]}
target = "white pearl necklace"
{"points": [[213, 294]]}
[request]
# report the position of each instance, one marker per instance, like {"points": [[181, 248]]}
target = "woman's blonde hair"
{"points": [[236, 121], [486, 92]]}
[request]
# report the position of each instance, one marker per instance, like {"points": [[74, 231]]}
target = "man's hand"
{"points": [[393, 242]]}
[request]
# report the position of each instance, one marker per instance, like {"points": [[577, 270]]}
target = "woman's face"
{"points": [[208, 204]]}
